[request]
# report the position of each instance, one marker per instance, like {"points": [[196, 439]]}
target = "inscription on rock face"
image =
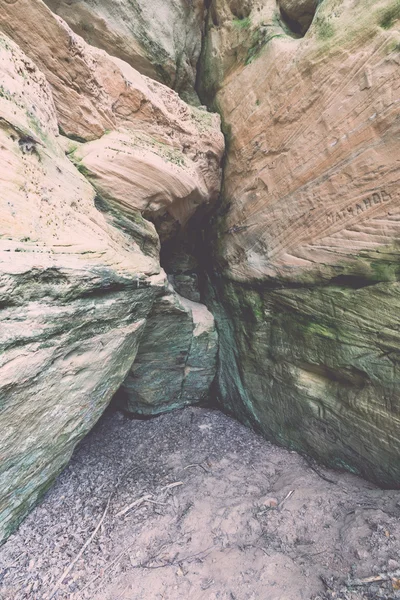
{"points": [[357, 208]]}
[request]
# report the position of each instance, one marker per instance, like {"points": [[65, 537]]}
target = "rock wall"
{"points": [[306, 240], [68, 331], [79, 264], [176, 362], [161, 38]]}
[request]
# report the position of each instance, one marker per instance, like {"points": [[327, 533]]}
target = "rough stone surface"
{"points": [[94, 92], [161, 38], [77, 284], [307, 236], [165, 179], [74, 294], [176, 362], [149, 152]]}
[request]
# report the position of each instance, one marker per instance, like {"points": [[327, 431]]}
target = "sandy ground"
{"points": [[192, 505]]}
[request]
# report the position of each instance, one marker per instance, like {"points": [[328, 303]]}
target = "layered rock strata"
{"points": [[74, 294], [78, 283], [161, 38], [307, 236], [176, 362]]}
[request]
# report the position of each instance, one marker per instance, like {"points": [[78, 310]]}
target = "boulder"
{"points": [[176, 362], [95, 92], [149, 152], [306, 242], [79, 263], [165, 180], [74, 294], [161, 38]]}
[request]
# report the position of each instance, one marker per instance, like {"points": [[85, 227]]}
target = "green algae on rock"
{"points": [[306, 254], [176, 362]]}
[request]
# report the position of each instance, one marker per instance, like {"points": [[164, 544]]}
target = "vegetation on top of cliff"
{"points": [[390, 15], [260, 39]]}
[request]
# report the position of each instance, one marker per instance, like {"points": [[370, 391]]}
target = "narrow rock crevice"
{"points": [[297, 15]]}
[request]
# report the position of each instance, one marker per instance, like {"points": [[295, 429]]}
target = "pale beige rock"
{"points": [[135, 172], [165, 157], [74, 294], [95, 93], [76, 290], [176, 361], [161, 38], [322, 140], [307, 241]]}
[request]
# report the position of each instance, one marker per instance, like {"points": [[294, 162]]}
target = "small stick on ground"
{"points": [[107, 568], [286, 498], [313, 465], [173, 562], [172, 485], [375, 579], [136, 503], [81, 551], [89, 541], [196, 465]]}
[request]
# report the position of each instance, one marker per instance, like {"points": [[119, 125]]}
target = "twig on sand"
{"points": [[81, 551], [196, 465], [171, 563], [136, 503], [382, 577], [107, 568], [311, 463], [286, 498], [91, 538], [144, 565], [172, 485]]}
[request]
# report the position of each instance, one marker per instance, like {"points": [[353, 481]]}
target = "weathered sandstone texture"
{"points": [[161, 38], [176, 362], [77, 284], [163, 160], [306, 257], [74, 294]]}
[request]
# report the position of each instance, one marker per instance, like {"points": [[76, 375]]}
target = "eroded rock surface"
{"points": [[75, 294], [161, 38], [149, 152], [176, 362], [307, 238], [78, 283], [101, 165]]}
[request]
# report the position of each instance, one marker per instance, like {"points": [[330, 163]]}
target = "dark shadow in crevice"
{"points": [[292, 27], [354, 282], [297, 25], [238, 9]]}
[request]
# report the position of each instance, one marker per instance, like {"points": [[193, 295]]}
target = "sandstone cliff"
{"points": [[78, 283], [161, 38], [307, 236]]}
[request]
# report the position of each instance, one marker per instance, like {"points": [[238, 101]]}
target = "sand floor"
{"points": [[193, 505]]}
